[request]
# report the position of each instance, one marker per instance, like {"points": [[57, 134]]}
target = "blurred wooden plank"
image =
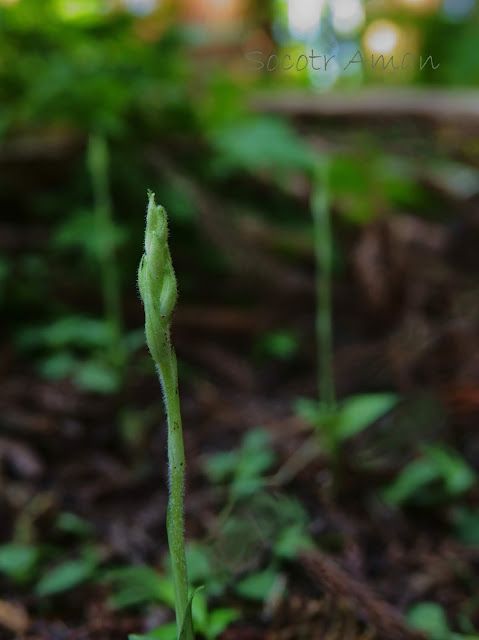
{"points": [[442, 106]]}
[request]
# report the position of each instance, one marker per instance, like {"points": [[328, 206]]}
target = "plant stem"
{"points": [[323, 245], [158, 290], [176, 467], [98, 168]]}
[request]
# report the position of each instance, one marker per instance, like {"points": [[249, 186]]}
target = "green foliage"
{"points": [[74, 525], [273, 524], [260, 143], [75, 233], [19, 562], [136, 586], [133, 586], [257, 586], [360, 185], [430, 618], [466, 525], [89, 73], [68, 575], [440, 474], [280, 345], [349, 417], [243, 468]]}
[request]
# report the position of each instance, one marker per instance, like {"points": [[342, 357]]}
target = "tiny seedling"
{"points": [[158, 290]]}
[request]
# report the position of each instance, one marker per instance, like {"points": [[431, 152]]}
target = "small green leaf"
{"points": [[262, 142], [467, 526], [291, 540], [65, 576], [358, 412], [165, 632], [414, 476], [220, 466], [73, 524], [281, 344], [184, 633], [258, 585], [219, 620], [18, 561], [134, 586], [430, 618], [57, 366], [456, 473], [96, 376]]}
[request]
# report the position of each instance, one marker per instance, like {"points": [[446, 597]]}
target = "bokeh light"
{"points": [[141, 7], [347, 15], [457, 10], [304, 17], [381, 37]]}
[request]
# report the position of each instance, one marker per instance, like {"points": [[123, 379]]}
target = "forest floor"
{"points": [[406, 320]]}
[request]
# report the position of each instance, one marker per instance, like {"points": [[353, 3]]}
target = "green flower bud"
{"points": [[157, 281]]}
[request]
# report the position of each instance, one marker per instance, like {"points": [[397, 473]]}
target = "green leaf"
{"points": [[258, 585], [281, 344], [219, 620], [457, 475], [256, 455], [291, 540], [65, 576], [198, 561], [19, 562], [414, 476], [70, 331], [71, 523], [437, 464], [220, 466], [260, 143], [242, 487], [467, 526], [430, 618], [57, 366], [358, 412], [317, 414], [94, 375], [165, 632], [184, 634], [199, 611], [134, 586]]}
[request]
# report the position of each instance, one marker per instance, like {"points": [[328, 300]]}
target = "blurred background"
{"points": [[319, 162]]}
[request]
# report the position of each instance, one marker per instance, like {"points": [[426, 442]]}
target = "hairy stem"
{"points": [[176, 469], [157, 284]]}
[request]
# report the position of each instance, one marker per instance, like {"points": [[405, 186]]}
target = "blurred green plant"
{"points": [[334, 422], [439, 475], [98, 160], [49, 568], [466, 525], [243, 469], [431, 619]]}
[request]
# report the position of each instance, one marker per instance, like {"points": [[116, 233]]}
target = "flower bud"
{"points": [[157, 281]]}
